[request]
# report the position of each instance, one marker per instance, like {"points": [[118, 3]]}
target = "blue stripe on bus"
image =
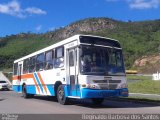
{"points": [[51, 89], [31, 89], [17, 88], [94, 93], [69, 92], [37, 79]]}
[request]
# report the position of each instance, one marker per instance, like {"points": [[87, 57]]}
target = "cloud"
{"points": [[39, 27], [144, 4], [140, 4], [13, 8], [33, 10]]}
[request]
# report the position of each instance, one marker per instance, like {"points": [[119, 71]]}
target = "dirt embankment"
{"points": [[148, 64]]}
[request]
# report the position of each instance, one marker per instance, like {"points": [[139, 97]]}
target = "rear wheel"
{"points": [[97, 101], [62, 99], [25, 94]]}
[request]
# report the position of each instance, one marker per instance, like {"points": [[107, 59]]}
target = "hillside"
{"points": [[148, 64], [137, 39]]}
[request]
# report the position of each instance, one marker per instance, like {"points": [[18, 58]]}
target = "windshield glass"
{"points": [[101, 61]]}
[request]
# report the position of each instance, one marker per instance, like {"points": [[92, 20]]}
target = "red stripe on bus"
{"points": [[27, 76]]}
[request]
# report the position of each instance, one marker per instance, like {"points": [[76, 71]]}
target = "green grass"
{"points": [[145, 86], [138, 77]]}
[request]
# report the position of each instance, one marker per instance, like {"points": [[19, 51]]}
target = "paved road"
{"points": [[11, 102]]}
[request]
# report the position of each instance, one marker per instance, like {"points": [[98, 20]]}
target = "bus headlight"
{"points": [[0, 87], [92, 86], [123, 85]]}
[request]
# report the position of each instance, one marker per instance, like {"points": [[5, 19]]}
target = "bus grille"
{"points": [[107, 84]]}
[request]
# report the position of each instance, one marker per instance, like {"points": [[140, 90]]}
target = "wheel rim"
{"points": [[61, 94]]}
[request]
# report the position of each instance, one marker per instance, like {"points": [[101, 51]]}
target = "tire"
{"points": [[61, 95], [97, 101], [24, 93]]}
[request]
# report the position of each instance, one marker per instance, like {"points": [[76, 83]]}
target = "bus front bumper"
{"points": [[95, 93]]}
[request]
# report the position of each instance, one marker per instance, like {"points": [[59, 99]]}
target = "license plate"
{"points": [[107, 94]]}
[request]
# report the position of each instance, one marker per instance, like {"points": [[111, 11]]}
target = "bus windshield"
{"points": [[97, 60]]}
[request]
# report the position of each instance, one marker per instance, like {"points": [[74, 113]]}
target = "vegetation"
{"points": [[137, 38], [138, 77], [145, 86], [16, 47]]}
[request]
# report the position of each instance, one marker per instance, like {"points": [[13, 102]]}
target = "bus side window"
{"points": [[15, 69], [71, 59], [25, 66], [32, 65], [40, 62], [49, 60], [59, 57]]}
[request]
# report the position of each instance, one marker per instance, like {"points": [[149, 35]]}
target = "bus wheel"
{"points": [[97, 101], [61, 95], [24, 92]]}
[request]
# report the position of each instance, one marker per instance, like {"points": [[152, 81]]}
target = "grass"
{"points": [[145, 86], [138, 77]]}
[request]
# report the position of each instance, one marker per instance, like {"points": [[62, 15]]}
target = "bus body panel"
{"points": [[43, 81], [92, 93]]}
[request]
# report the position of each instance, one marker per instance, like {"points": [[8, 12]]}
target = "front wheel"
{"points": [[97, 101], [62, 99]]}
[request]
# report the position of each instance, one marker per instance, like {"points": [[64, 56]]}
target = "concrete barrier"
{"points": [[3, 77]]}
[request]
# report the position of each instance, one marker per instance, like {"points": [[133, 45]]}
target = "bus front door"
{"points": [[73, 72]]}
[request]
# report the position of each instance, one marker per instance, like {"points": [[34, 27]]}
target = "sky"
{"points": [[39, 16]]}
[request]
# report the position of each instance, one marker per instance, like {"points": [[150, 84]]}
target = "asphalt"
{"points": [[12, 102]]}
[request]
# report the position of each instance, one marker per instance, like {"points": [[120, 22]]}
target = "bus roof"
{"points": [[63, 42]]}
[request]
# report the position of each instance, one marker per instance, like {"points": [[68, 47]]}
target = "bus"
{"points": [[80, 67]]}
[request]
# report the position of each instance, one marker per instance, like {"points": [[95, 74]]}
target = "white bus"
{"points": [[82, 66]]}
